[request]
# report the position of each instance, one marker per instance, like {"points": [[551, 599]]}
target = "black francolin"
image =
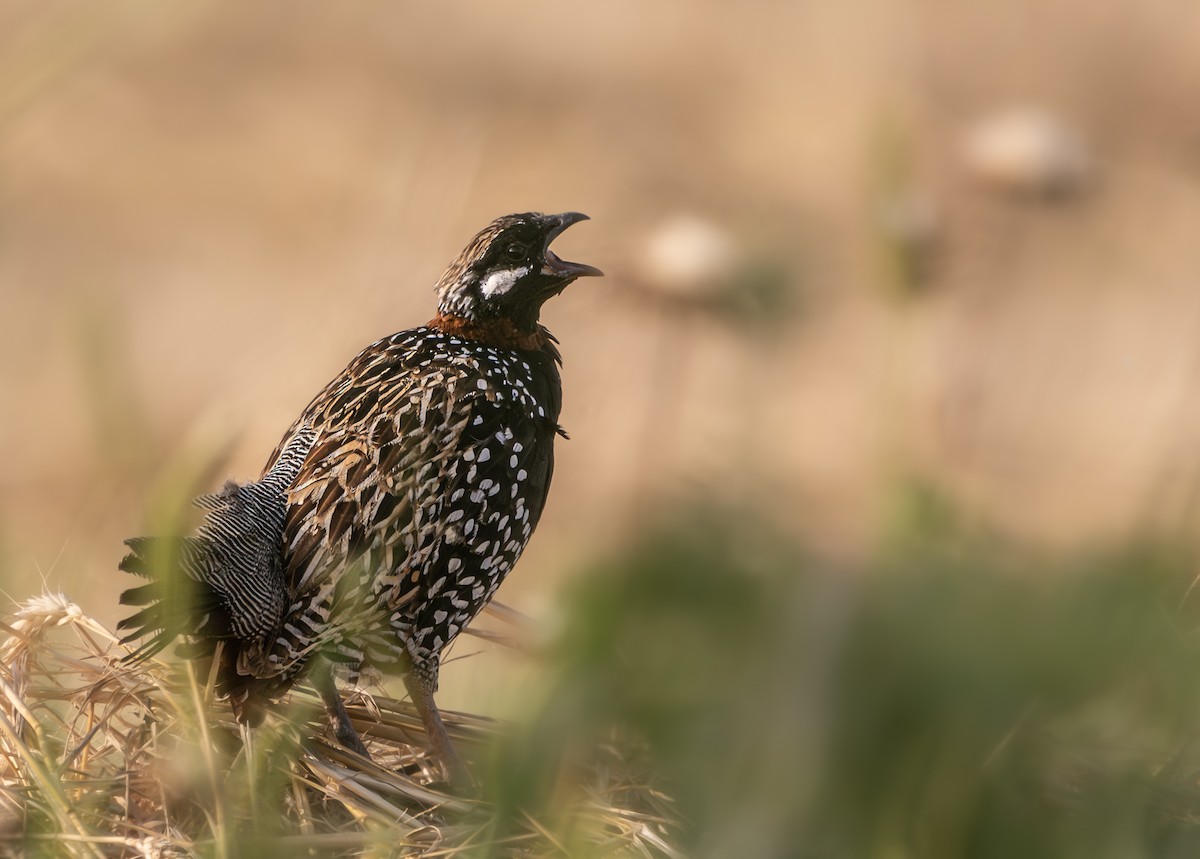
{"points": [[392, 509]]}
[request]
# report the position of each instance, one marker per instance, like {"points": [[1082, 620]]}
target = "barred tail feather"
{"points": [[175, 601], [225, 583]]}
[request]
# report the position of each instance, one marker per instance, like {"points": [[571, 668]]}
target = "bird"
{"points": [[390, 511]]}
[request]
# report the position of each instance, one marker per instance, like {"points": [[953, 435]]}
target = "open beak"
{"points": [[561, 269]]}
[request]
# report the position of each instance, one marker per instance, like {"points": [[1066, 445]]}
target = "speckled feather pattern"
{"points": [[394, 506], [430, 469]]}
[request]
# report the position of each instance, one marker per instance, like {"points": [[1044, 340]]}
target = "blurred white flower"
{"points": [[687, 255], [1027, 150]]}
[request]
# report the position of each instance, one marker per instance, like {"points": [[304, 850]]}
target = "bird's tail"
{"points": [[176, 598], [226, 582]]}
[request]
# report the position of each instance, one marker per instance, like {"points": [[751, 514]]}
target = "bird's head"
{"points": [[508, 271]]}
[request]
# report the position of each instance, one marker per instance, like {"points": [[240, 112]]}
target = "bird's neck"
{"points": [[502, 333]]}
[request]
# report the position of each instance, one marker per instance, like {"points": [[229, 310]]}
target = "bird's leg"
{"points": [[339, 719], [453, 769]]}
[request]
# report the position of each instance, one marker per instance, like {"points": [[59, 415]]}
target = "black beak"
{"points": [[556, 267]]}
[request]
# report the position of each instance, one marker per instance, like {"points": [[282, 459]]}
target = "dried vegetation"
{"points": [[102, 759]]}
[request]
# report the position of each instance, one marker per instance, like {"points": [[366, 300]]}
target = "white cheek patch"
{"points": [[500, 282]]}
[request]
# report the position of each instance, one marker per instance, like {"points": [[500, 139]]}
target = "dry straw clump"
{"points": [[98, 758]]}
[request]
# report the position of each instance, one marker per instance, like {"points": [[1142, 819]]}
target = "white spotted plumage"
{"points": [[456, 437], [397, 502]]}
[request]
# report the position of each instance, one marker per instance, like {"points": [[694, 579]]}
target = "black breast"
{"points": [[494, 491]]}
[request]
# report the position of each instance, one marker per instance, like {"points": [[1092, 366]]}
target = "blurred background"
{"points": [[876, 269]]}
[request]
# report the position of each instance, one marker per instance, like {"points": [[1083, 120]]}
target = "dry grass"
{"points": [[102, 759]]}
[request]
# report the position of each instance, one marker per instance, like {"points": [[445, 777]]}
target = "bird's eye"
{"points": [[516, 251]]}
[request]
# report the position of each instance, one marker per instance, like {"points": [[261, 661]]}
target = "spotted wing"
{"points": [[364, 508]]}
